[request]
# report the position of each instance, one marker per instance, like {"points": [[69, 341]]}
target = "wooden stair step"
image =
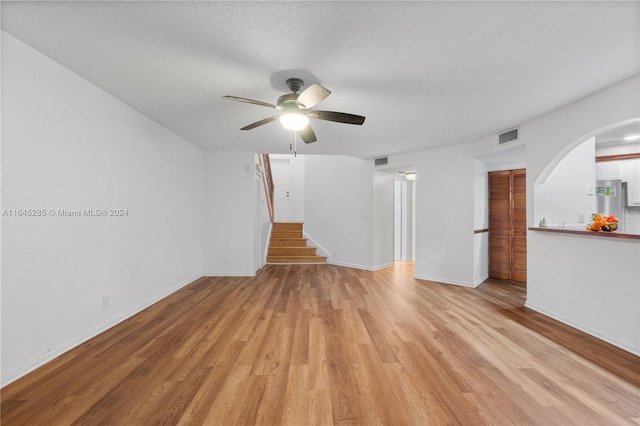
{"points": [[292, 251], [288, 242], [296, 259], [287, 226], [288, 246], [286, 234]]}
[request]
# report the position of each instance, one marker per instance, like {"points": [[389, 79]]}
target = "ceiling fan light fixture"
{"points": [[294, 121]]}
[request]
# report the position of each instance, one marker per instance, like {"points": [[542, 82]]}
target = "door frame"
{"points": [[276, 185]]}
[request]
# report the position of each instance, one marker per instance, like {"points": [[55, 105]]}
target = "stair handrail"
{"points": [[267, 180]]}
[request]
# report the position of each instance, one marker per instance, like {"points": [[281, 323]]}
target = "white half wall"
{"points": [[590, 283], [229, 213], [70, 150]]}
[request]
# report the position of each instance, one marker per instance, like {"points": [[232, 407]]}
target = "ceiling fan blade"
{"points": [[307, 134], [312, 96], [249, 101], [339, 117], [260, 123]]}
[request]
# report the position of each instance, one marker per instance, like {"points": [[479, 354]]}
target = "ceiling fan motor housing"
{"points": [[288, 102], [295, 84]]}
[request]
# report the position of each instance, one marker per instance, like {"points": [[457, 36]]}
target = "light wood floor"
{"points": [[321, 344]]}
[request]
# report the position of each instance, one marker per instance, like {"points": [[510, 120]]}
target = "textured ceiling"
{"points": [[425, 74]]}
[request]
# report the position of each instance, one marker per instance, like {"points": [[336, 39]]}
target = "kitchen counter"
{"points": [[614, 234]]}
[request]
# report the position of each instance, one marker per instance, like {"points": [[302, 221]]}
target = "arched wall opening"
{"points": [[565, 192]]}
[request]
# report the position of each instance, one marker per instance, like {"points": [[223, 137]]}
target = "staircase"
{"points": [[288, 246]]}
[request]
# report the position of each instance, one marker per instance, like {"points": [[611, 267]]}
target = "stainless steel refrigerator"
{"points": [[610, 199]]}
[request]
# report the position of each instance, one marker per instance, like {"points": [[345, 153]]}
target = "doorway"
{"points": [[508, 225], [281, 171], [403, 220]]}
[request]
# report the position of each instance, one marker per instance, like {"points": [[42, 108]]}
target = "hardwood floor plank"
{"points": [[326, 345], [376, 382], [380, 342], [318, 367], [198, 409], [320, 412], [300, 342], [169, 400], [298, 396]]}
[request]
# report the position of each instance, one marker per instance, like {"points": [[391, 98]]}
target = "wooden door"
{"points": [[508, 225], [500, 225], [519, 227]]}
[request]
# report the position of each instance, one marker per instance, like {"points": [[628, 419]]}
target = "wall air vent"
{"points": [[381, 161], [510, 136]]}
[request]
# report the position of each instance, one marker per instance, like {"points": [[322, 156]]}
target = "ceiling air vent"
{"points": [[381, 161], [511, 135]]}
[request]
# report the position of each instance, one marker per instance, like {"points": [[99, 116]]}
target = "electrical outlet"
{"points": [[580, 217], [441, 266], [105, 301], [591, 189]]}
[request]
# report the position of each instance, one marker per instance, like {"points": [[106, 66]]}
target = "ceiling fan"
{"points": [[296, 110]]}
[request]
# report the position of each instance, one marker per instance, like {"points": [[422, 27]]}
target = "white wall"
{"points": [[480, 222], [338, 208], [444, 210], [263, 220], [383, 226], [297, 188], [399, 216], [623, 148], [566, 277], [67, 144], [229, 213], [411, 219], [563, 194]]}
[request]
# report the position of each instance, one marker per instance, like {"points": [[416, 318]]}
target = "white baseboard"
{"points": [[584, 328], [50, 355], [386, 265], [444, 281], [323, 251], [229, 274], [479, 281], [363, 267]]}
